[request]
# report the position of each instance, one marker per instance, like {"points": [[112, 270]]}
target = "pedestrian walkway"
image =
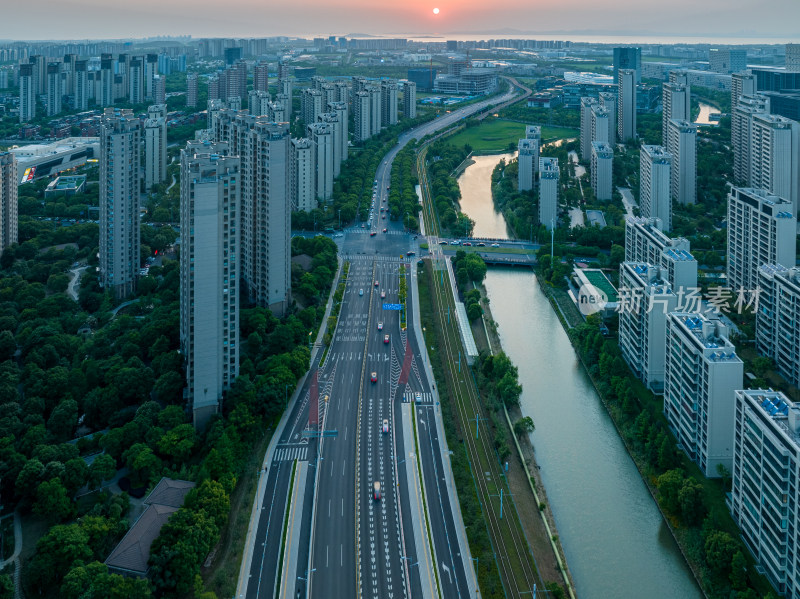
{"points": [[290, 453], [424, 398]]}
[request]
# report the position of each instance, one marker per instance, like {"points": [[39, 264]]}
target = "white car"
{"points": [[417, 397], [495, 245], [360, 292], [380, 326], [385, 426]]}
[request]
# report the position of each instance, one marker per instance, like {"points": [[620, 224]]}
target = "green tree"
{"points": [[669, 486], [178, 442], [104, 467], [720, 548], [143, 463], [738, 571], [6, 587], [56, 552], [690, 498], [524, 426], [53, 502]]}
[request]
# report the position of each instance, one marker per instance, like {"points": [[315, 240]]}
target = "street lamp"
{"points": [[340, 218]]}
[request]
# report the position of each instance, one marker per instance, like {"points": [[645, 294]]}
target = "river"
{"points": [[615, 540], [705, 113]]}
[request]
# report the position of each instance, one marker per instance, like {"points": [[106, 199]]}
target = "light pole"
{"points": [[340, 218]]}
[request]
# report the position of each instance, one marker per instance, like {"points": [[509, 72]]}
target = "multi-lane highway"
{"points": [[317, 528]]}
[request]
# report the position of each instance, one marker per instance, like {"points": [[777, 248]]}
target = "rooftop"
{"points": [[597, 277]]}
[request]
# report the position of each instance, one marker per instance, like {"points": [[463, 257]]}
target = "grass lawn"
{"points": [[493, 135]]}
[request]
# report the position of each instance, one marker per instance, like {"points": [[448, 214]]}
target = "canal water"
{"points": [[476, 185], [705, 113], [615, 540]]}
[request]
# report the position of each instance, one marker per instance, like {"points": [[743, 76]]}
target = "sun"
{"points": [[436, 11]]}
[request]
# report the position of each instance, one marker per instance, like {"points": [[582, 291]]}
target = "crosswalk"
{"points": [[376, 258], [410, 397], [290, 453]]}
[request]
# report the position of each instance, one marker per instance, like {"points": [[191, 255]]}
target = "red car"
{"points": [[386, 338], [374, 377], [372, 233], [376, 283], [384, 229]]}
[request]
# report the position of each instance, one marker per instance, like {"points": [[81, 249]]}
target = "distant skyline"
{"points": [[95, 19]]}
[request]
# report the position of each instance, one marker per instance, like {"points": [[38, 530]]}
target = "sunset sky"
{"points": [[76, 19]]}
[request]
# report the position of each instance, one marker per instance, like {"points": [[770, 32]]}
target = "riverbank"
{"points": [[524, 475]]}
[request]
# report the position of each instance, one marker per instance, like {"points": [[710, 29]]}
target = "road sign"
{"points": [[392, 306]]}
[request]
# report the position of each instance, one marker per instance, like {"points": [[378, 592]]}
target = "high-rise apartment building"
{"points": [[263, 148], [655, 199], [9, 210], [340, 109], [155, 146], [136, 74], [676, 103], [628, 58], [682, 145], [642, 324], [322, 138], [80, 85], [150, 72], [27, 95], [258, 103], [410, 100], [160, 89], [261, 77], [362, 121], [626, 104], [209, 274], [234, 103], [608, 100], [120, 180], [388, 103], [39, 65], [586, 127], [548, 192], [646, 242], [777, 318], [106, 96], [375, 112], [302, 184], [742, 84], [601, 169], [528, 155], [337, 131], [701, 374], [764, 483], [601, 123], [311, 105], [55, 88], [191, 90], [761, 230], [775, 157], [742, 134]]}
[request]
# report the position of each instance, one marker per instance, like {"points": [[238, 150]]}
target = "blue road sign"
{"points": [[392, 306]]}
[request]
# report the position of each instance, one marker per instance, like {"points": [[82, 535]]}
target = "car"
{"points": [[385, 426], [384, 229], [387, 188], [362, 226], [376, 283], [417, 397], [360, 292], [376, 491], [495, 245], [383, 295], [386, 338], [480, 244], [382, 208], [380, 326], [383, 216], [443, 242], [372, 233], [467, 243], [455, 242], [411, 253], [374, 377]]}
